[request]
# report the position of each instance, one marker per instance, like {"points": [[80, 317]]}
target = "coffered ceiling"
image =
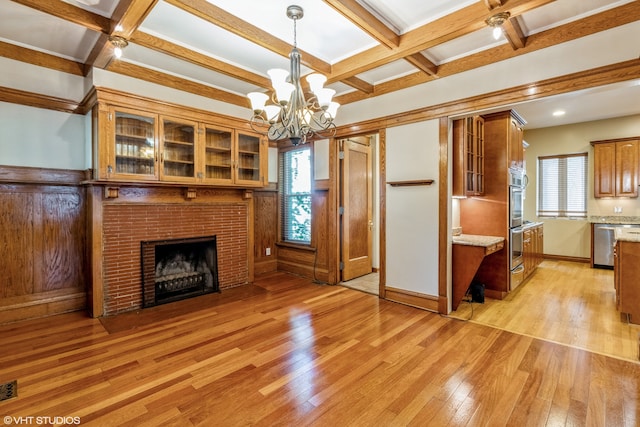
{"points": [[222, 48]]}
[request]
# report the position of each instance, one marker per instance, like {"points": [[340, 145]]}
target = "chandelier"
{"points": [[290, 115]]}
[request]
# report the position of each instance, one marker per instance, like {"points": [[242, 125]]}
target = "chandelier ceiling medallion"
{"points": [[291, 116]]}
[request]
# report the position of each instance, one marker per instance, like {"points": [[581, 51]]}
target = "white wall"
{"points": [[565, 237], [36, 137], [412, 153]]}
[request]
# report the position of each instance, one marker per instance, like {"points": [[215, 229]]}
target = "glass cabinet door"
{"points": [[178, 149], [135, 147], [249, 158], [218, 158]]}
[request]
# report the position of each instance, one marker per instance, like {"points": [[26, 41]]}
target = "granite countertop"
{"points": [[529, 224], [627, 234], [614, 219], [476, 240]]}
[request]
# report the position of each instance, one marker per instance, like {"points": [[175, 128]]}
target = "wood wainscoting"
{"points": [[43, 239], [266, 230]]}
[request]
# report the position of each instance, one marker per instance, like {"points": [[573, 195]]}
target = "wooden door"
{"points": [[356, 218]]}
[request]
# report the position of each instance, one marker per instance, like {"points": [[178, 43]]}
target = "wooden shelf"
{"points": [[410, 183]]}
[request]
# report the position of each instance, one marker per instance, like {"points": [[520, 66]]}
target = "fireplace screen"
{"points": [[179, 268]]}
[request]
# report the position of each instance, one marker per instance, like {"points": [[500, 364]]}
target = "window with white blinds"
{"points": [[295, 195], [562, 186]]}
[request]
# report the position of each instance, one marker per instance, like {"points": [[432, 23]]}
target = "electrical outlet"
{"points": [[617, 209], [267, 251]]}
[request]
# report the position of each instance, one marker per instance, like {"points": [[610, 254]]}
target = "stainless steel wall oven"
{"points": [[516, 231]]}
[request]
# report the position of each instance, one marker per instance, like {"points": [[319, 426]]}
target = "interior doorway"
{"points": [[359, 230]]}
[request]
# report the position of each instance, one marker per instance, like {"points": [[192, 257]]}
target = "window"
{"points": [[295, 195], [562, 185]]}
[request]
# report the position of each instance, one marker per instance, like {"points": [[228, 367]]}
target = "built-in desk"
{"points": [[468, 253]]}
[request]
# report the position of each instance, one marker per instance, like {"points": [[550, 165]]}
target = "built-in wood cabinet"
{"points": [[615, 167], [156, 143], [468, 157], [533, 238], [130, 150], [178, 139], [626, 270], [515, 141], [488, 214]]}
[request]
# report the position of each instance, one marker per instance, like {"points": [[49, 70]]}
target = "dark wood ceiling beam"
{"points": [[457, 24], [602, 21], [70, 13], [366, 21], [235, 25], [421, 62], [182, 53]]}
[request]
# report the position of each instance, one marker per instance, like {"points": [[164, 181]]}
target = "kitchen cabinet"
{"points": [[172, 146], [615, 167], [488, 214], [532, 249], [626, 270], [468, 157], [515, 142]]}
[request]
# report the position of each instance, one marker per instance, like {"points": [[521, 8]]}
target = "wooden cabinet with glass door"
{"points": [[468, 157], [175, 145], [233, 157], [132, 152], [251, 155], [218, 155], [178, 150]]}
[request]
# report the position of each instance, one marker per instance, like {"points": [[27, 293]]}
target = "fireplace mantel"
{"points": [[137, 212]]}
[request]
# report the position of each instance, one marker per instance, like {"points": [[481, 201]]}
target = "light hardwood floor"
{"points": [[564, 302], [287, 352]]}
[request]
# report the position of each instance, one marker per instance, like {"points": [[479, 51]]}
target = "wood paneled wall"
{"points": [[42, 240], [266, 231]]}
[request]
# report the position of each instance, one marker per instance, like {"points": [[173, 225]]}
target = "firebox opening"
{"points": [[177, 269]]}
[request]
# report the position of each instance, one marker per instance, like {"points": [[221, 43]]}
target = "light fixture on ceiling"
{"points": [[118, 43], [496, 22], [291, 115]]}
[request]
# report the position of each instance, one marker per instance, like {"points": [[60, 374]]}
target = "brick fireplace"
{"points": [[136, 214], [177, 269]]}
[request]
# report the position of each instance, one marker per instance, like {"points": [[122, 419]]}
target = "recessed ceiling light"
{"points": [[558, 113]]}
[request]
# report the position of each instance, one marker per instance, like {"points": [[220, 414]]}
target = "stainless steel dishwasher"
{"points": [[603, 240]]}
